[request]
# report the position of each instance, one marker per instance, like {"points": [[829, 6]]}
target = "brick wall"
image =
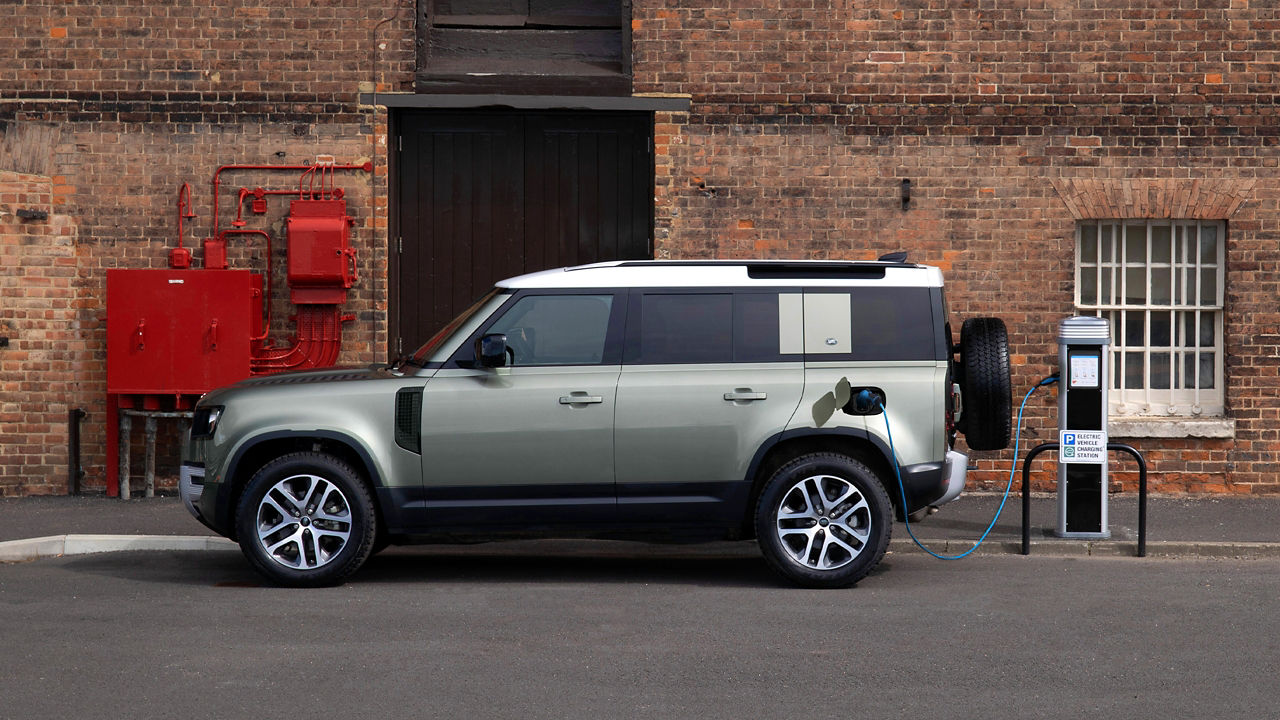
{"points": [[106, 109], [45, 354], [1012, 120]]}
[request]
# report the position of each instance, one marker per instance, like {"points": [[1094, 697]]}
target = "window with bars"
{"points": [[1160, 285]]}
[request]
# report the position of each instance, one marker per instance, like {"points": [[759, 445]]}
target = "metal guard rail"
{"points": [[1142, 493]]}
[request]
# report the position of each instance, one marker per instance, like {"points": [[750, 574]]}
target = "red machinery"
{"points": [[177, 333]]}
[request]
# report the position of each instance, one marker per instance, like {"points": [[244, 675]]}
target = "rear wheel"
{"points": [[823, 520], [306, 519]]}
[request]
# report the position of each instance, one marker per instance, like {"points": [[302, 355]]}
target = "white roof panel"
{"points": [[727, 273]]}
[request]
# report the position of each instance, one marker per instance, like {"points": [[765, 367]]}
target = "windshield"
{"points": [[423, 354]]}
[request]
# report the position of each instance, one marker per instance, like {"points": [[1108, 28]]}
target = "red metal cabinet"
{"points": [[321, 260], [178, 331]]}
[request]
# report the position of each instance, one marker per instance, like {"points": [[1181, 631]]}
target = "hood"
{"points": [[324, 375], [282, 381]]}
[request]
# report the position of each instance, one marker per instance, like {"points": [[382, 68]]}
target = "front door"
{"points": [[531, 442]]}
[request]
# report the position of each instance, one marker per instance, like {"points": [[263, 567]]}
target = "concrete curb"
{"points": [[56, 545], [1098, 548]]}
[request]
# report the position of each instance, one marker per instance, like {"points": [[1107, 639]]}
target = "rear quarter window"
{"points": [[892, 324]]}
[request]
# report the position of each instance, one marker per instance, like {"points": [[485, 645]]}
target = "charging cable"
{"points": [[871, 398]]}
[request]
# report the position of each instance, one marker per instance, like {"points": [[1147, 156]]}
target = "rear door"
{"points": [[704, 383]]}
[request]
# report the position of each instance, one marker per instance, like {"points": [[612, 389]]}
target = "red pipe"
{"points": [[217, 179], [317, 345], [185, 190], [239, 221], [319, 337]]}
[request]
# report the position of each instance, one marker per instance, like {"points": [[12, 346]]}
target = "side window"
{"points": [[672, 328], [556, 329], [893, 324], [756, 332], [678, 328]]}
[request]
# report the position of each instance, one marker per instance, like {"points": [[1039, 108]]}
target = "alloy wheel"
{"points": [[824, 522], [304, 522]]}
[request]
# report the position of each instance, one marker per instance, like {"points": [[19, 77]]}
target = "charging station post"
{"points": [[1082, 428]]}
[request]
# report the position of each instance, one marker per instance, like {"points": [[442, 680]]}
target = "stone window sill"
{"points": [[1155, 427]]}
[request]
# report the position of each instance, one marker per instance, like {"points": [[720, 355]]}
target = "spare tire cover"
{"points": [[984, 384]]}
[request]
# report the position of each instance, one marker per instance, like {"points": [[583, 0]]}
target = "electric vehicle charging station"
{"points": [[1083, 445], [1082, 428]]}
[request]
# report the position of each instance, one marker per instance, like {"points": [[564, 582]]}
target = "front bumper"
{"points": [[191, 486]]}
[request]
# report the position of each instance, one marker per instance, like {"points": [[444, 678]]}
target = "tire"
{"points": [[986, 414], [306, 520], [823, 521]]}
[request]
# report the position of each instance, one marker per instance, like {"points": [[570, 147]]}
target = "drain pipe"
{"points": [[74, 472]]}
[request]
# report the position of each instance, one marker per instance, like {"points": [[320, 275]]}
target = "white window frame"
{"points": [[1174, 377]]}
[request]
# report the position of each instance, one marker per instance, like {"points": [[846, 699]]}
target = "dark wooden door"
{"points": [[484, 195]]}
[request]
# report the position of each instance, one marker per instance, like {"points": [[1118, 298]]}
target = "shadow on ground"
{"points": [[727, 565]]}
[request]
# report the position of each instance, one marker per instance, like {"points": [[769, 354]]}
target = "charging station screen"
{"points": [[1084, 369]]}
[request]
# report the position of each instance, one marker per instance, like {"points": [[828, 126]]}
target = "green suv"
{"points": [[677, 401]]}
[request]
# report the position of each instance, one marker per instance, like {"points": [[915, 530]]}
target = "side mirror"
{"points": [[491, 350]]}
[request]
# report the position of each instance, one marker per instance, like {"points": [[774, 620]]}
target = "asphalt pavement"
{"points": [[449, 633], [571, 628], [1192, 526]]}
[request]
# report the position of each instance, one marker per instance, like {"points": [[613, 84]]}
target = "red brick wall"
{"points": [[110, 107], [41, 367], [806, 116]]}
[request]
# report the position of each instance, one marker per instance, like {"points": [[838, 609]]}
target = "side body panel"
{"points": [[527, 445], [685, 432]]}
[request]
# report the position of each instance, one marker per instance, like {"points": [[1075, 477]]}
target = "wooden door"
{"points": [[484, 195]]}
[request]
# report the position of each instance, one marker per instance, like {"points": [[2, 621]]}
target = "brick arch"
{"points": [[1208, 199]]}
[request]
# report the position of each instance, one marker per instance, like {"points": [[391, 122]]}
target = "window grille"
{"points": [[1160, 284]]}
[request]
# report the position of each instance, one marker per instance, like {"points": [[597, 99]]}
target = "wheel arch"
{"points": [[860, 445], [260, 450]]}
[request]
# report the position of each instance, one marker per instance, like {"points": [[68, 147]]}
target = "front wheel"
{"points": [[824, 521], [306, 519]]}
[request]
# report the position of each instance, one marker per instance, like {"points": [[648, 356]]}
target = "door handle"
{"points": [[580, 398], [744, 395]]}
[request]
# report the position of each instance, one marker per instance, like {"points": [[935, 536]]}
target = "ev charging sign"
{"points": [[1082, 446]]}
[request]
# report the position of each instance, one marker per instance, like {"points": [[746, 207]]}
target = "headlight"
{"points": [[205, 421]]}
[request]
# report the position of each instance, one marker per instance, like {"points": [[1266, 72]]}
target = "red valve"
{"points": [[259, 204], [351, 257]]}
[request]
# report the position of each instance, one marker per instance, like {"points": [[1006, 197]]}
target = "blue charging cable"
{"points": [[1008, 486]]}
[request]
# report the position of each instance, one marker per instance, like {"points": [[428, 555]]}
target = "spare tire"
{"points": [[983, 374]]}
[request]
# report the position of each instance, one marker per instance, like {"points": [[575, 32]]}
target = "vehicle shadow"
{"points": [[536, 561], [571, 562]]}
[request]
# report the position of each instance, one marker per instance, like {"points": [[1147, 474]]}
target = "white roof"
{"points": [[730, 273]]}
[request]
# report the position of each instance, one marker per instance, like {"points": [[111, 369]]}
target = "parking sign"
{"points": [[1082, 446]]}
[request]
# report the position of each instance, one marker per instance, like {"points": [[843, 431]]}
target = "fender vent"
{"points": [[409, 419]]}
